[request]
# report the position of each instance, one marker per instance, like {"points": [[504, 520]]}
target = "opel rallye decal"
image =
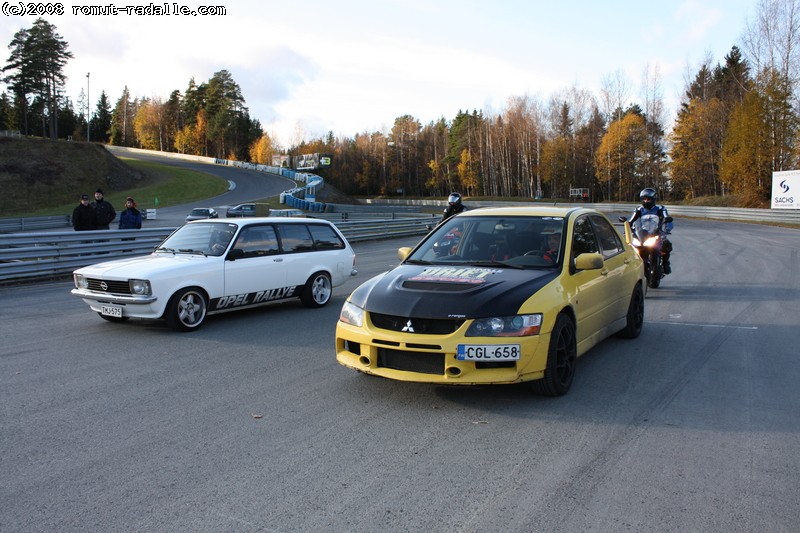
{"points": [[455, 275], [258, 297]]}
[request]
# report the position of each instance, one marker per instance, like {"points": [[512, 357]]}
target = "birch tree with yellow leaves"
{"points": [[620, 157]]}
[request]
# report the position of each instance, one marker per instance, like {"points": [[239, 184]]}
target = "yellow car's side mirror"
{"points": [[592, 261]]}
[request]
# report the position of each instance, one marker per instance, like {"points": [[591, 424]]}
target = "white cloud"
{"points": [[356, 65]]}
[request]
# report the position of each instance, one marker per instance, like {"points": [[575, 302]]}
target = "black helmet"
{"points": [[454, 198], [648, 197]]}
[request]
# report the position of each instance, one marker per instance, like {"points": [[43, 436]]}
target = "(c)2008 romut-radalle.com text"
{"points": [[151, 9]]}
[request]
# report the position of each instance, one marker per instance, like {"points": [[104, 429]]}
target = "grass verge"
{"points": [[167, 185]]}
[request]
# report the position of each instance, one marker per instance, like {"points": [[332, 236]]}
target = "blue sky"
{"points": [[351, 66]]}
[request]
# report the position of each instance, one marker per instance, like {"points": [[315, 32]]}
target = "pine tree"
{"points": [[122, 121], [6, 120], [101, 119], [21, 81], [38, 57]]}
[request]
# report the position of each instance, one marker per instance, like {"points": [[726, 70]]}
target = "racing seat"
{"points": [[525, 241], [476, 248], [502, 247]]}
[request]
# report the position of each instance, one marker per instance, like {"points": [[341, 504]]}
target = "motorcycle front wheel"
{"points": [[656, 272]]}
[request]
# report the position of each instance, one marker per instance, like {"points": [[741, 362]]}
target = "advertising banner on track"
{"points": [[282, 161], [786, 189]]}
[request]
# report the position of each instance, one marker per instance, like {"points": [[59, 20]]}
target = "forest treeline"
{"points": [[737, 123]]}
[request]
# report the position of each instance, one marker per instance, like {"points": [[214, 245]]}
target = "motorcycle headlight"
{"points": [[651, 241], [636, 242], [507, 326], [352, 314], [140, 287]]}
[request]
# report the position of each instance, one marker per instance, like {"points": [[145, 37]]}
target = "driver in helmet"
{"points": [[454, 206], [649, 207], [553, 245]]}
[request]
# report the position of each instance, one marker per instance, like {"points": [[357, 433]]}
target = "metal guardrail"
{"points": [[383, 209], [50, 255], [37, 256], [764, 216], [343, 216], [10, 225], [372, 208], [367, 230]]}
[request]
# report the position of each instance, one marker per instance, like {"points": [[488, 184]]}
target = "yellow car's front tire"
{"points": [[562, 357], [634, 320]]}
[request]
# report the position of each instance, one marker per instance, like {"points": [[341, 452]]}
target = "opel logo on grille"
{"points": [[104, 285], [408, 327]]}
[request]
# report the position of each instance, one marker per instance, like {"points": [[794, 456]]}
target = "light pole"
{"points": [[88, 110]]}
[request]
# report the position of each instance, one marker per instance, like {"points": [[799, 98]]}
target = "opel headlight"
{"points": [[507, 326], [80, 281], [352, 314], [140, 287]]}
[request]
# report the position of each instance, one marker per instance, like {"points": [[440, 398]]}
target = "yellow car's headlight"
{"points": [[352, 314], [506, 326]]}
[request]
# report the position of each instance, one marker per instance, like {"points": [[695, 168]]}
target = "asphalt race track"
{"points": [[249, 424], [245, 186]]}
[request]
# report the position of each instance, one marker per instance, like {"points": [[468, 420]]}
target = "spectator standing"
{"points": [[104, 211], [130, 217], [83, 216]]}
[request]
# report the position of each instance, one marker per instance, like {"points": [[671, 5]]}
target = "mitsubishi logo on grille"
{"points": [[408, 327], [104, 285]]}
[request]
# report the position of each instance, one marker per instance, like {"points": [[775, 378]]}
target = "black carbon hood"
{"points": [[450, 291]]}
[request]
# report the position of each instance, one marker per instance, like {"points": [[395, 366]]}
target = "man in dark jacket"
{"points": [[83, 217], [104, 211]]}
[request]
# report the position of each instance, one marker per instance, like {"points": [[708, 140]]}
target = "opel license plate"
{"points": [[111, 310], [488, 352]]}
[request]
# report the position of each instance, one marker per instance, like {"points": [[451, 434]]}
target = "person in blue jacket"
{"points": [[650, 209], [130, 217]]}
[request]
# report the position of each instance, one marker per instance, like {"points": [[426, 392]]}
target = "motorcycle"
{"points": [[446, 244], [648, 240]]}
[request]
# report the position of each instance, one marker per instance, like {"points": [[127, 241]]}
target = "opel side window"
{"points": [[257, 240], [325, 238], [295, 238]]}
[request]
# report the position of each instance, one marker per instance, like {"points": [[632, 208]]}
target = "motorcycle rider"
{"points": [[454, 206], [650, 208]]}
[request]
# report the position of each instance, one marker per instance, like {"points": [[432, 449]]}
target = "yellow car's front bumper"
{"points": [[433, 359]]}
